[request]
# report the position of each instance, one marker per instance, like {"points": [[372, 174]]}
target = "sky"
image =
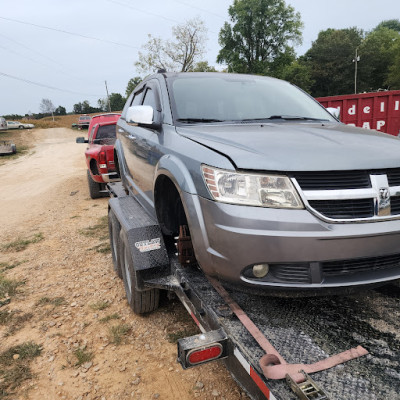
{"points": [[65, 50]]}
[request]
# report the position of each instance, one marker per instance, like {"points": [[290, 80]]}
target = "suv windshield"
{"points": [[223, 97]]}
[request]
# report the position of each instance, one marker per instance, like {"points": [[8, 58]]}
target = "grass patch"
{"points": [[21, 244], [7, 266], [82, 356], [100, 305], [173, 337], [15, 371], [96, 230], [56, 301], [8, 287], [118, 333], [109, 318], [6, 317], [102, 248], [18, 322]]}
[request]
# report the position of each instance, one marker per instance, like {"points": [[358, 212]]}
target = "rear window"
{"points": [[106, 132]]}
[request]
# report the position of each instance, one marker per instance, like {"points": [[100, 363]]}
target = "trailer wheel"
{"points": [[141, 301], [94, 187], [114, 229]]}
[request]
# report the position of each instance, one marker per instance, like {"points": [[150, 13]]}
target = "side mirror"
{"points": [[334, 111], [81, 140], [142, 116]]}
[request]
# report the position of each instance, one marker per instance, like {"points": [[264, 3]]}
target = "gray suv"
{"points": [[277, 194]]}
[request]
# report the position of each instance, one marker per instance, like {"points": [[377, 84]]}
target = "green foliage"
{"points": [[202, 66], [393, 77], [299, 74], [60, 110], [377, 53], [83, 356], [330, 60], [118, 333], [132, 84], [22, 243], [260, 38], [117, 101], [393, 24]]}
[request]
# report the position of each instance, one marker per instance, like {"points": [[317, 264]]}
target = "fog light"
{"points": [[260, 270]]}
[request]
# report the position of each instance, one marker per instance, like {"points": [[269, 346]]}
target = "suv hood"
{"points": [[288, 146]]}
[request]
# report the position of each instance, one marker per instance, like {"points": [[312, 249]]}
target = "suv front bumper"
{"points": [[303, 252]]}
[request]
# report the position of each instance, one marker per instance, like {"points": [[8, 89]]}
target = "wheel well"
{"points": [[168, 206], [93, 167]]}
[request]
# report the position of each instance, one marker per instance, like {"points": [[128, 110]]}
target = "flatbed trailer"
{"points": [[303, 330]]}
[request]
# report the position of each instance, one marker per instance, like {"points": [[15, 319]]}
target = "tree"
{"points": [[177, 55], [60, 110], [132, 84], [47, 107], [77, 109], [393, 77], [393, 24], [299, 74], [262, 34], [202, 66], [330, 61], [117, 101], [377, 54]]}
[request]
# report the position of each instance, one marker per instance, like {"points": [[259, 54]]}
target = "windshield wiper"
{"points": [[296, 117], [283, 117], [194, 120]]}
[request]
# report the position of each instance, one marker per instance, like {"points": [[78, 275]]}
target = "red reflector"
{"points": [[202, 355], [102, 157]]}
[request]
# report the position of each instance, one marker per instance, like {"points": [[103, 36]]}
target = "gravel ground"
{"points": [[68, 302]]}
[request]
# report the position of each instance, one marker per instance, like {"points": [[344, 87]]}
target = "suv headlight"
{"points": [[275, 191]]}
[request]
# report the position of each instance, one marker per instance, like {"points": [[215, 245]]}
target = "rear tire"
{"points": [[114, 230], [143, 301], [94, 187]]}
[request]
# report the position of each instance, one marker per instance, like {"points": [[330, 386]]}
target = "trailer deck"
{"points": [[303, 330]]}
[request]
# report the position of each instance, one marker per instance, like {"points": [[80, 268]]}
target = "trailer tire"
{"points": [[114, 229], [94, 187], [141, 301]]}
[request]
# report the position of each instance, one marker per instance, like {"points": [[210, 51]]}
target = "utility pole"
{"points": [[108, 98], [355, 61]]}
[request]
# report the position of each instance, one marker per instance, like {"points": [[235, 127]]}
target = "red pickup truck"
{"points": [[100, 154]]}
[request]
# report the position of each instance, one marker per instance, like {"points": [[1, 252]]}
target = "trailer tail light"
{"points": [[202, 348], [199, 356], [102, 159]]}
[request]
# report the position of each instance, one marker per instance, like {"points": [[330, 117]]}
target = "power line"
{"points": [[199, 8], [46, 86], [143, 11], [68, 33]]}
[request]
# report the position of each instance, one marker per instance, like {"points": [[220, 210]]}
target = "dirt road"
{"points": [[54, 247]]}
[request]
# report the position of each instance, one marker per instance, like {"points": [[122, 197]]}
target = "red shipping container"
{"points": [[378, 110]]}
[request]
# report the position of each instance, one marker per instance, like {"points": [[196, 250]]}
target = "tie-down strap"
{"points": [[273, 364]]}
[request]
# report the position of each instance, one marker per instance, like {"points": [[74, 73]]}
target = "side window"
{"points": [[150, 99], [137, 99]]}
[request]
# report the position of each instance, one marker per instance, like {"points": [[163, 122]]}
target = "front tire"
{"points": [[141, 301], [114, 230]]}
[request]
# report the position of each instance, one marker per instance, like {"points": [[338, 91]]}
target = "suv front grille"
{"points": [[333, 180], [351, 195], [344, 209]]}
